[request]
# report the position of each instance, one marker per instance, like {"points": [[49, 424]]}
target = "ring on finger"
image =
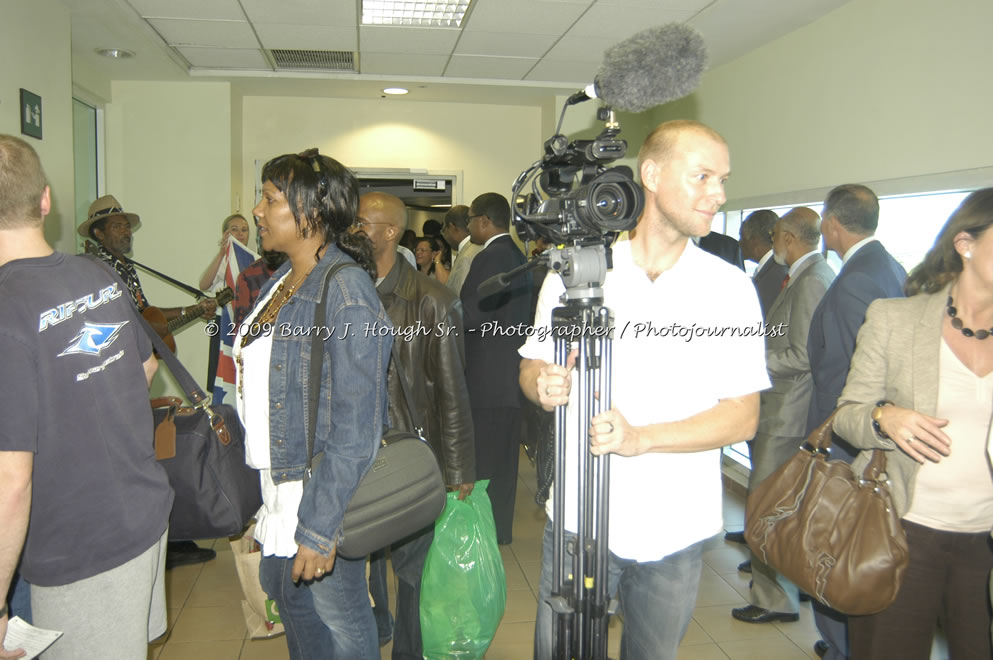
{"points": [[910, 439], [319, 572], [611, 429], [547, 392]]}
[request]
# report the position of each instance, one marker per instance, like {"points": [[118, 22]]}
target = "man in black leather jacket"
{"points": [[427, 320]]}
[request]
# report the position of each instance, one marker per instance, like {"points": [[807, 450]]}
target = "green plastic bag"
{"points": [[463, 588]]}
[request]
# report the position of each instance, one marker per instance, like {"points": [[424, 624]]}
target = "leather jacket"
{"points": [[427, 322]]}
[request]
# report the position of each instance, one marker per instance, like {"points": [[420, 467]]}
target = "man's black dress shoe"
{"points": [[735, 537], [756, 614], [745, 566], [183, 553]]}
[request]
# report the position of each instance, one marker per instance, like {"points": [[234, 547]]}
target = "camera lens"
{"points": [[608, 201]]}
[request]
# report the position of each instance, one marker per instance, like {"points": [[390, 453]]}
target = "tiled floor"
{"points": [[206, 621]]}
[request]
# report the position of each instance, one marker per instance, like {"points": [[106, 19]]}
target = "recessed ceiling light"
{"points": [[444, 13], [116, 53], [394, 90]]}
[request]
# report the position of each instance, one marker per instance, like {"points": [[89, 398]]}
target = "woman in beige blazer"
{"points": [[921, 382]]}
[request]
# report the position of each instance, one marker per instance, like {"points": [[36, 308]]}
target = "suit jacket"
{"points": [[783, 411], [768, 282], [461, 265], [724, 247], [871, 273], [896, 359], [494, 326]]}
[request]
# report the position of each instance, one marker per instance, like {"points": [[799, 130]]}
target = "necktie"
{"points": [[786, 280]]}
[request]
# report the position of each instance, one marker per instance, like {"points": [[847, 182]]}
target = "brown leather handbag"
{"points": [[833, 533]]}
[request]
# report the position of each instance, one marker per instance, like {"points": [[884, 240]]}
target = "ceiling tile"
{"points": [[474, 66], [338, 13], [222, 34], [215, 9], [389, 64], [225, 58], [564, 70], [586, 49], [524, 16], [396, 39], [673, 5], [307, 37], [501, 43], [607, 22]]}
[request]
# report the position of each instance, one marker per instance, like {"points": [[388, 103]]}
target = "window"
{"points": [[908, 226]]}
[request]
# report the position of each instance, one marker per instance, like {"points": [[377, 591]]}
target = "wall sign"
{"points": [[30, 114]]}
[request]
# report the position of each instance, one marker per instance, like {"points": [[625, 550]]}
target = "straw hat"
{"points": [[106, 207]]}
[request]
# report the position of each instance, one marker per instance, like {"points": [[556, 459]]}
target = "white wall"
{"points": [[169, 161], [891, 93], [488, 145], [35, 36]]}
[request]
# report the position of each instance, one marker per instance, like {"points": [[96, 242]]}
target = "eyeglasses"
{"points": [[359, 224]]}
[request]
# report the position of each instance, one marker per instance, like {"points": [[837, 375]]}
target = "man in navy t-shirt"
{"points": [[81, 493]]}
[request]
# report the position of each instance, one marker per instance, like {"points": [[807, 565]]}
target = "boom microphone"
{"points": [[652, 67]]}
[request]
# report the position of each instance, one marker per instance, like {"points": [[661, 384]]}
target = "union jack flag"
{"points": [[236, 259]]}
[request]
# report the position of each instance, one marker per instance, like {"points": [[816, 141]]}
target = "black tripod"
{"points": [[580, 602]]}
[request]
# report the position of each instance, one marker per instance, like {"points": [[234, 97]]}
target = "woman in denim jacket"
{"points": [[308, 203]]}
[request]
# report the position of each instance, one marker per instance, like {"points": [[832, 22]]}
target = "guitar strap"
{"points": [[186, 287]]}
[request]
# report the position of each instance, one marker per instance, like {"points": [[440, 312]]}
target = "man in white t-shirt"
{"points": [[688, 363]]}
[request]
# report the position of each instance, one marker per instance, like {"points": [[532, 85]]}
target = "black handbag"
{"points": [[202, 448], [403, 492]]}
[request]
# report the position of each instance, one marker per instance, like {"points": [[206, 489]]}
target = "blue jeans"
{"points": [[379, 591], [657, 599], [326, 618], [408, 557], [19, 598]]}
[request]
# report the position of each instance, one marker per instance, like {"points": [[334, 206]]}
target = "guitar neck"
{"points": [[187, 316]]}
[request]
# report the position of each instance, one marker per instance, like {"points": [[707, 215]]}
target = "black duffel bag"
{"points": [[216, 492], [202, 448]]}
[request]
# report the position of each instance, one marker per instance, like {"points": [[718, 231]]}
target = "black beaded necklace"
{"points": [[958, 325]]}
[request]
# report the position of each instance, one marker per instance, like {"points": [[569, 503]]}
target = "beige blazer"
{"points": [[896, 359]]}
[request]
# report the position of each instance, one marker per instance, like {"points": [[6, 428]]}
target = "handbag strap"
{"points": [[819, 441]]}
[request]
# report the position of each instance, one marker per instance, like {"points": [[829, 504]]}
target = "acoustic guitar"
{"points": [[187, 315]]}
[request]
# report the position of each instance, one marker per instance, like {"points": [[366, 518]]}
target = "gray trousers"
{"points": [[770, 590]]}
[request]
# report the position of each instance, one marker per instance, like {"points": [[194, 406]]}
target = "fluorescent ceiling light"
{"points": [[444, 13], [394, 90]]}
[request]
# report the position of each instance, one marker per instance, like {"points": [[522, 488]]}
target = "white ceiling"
{"points": [[510, 51]]}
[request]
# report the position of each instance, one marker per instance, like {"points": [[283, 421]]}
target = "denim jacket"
{"points": [[353, 405]]}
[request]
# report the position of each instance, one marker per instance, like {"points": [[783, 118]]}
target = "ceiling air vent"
{"points": [[314, 60]]}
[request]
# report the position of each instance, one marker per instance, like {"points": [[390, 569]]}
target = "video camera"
{"points": [[574, 198]]}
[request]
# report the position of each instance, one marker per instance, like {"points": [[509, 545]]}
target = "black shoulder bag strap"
{"points": [[317, 362]]}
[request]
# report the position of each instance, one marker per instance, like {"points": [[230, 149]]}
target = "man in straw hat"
{"points": [[110, 227], [80, 490]]}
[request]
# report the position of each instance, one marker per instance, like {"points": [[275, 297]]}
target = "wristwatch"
{"points": [[877, 412]]}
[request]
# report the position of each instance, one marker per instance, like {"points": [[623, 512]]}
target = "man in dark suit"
{"points": [[756, 245], [494, 327], [851, 213], [782, 409], [722, 246]]}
